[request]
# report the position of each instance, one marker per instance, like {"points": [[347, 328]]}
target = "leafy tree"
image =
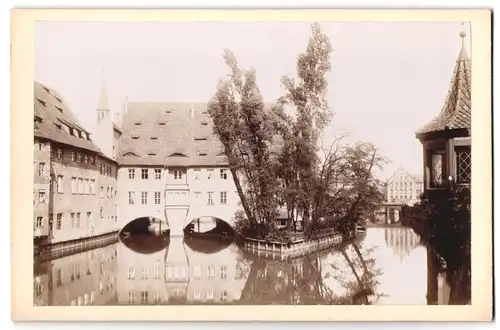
{"points": [[346, 188], [246, 129], [273, 156], [307, 94]]}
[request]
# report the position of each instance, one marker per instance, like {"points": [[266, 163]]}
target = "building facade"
{"points": [[68, 171], [403, 187], [172, 167], [42, 187]]}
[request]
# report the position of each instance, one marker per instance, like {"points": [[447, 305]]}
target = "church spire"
{"points": [[103, 100]]}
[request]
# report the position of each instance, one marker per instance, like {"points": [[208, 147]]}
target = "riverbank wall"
{"points": [[66, 248], [294, 249]]}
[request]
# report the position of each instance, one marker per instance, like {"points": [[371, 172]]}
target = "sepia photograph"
{"points": [[246, 163]]}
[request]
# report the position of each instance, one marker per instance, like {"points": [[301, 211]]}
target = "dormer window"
{"points": [[202, 154], [137, 124], [58, 108], [154, 138], [204, 123], [58, 99], [135, 138], [168, 111], [200, 139], [58, 125], [161, 124], [151, 154], [46, 89], [42, 102]]}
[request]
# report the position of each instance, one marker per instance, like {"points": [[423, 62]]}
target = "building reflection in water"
{"points": [[161, 271], [204, 271], [82, 279], [190, 271], [141, 270], [401, 240]]}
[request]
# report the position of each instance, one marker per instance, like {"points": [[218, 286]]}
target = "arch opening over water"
{"points": [[209, 226], [145, 226], [145, 235]]}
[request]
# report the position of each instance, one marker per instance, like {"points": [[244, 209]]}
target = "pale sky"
{"points": [[387, 79]]}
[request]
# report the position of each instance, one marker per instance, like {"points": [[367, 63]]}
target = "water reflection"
{"points": [[386, 266], [87, 278]]}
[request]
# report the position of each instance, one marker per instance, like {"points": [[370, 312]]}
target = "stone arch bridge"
{"points": [[176, 218]]}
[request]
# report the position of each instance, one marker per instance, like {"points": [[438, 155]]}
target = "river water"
{"points": [[384, 266]]}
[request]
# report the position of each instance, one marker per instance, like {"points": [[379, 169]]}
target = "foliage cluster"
{"points": [[274, 156]]}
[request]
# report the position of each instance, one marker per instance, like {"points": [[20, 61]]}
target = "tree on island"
{"points": [[246, 130], [273, 155], [307, 94]]}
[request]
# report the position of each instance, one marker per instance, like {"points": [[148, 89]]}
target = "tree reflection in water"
{"points": [[304, 280], [204, 271]]}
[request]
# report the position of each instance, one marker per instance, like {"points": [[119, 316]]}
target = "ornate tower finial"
{"points": [[463, 34]]}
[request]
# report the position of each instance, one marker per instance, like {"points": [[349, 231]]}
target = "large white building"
{"points": [[403, 187], [172, 167]]}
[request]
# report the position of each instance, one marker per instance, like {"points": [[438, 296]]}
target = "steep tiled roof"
{"points": [[170, 134], [456, 112], [56, 117]]}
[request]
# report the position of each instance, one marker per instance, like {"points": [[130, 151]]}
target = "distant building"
{"points": [[446, 139], [69, 169], [403, 187]]}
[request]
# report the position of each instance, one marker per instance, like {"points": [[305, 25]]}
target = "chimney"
{"points": [[192, 112]]}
